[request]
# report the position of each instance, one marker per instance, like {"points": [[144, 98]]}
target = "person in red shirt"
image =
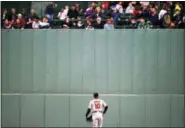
{"points": [[105, 4]]}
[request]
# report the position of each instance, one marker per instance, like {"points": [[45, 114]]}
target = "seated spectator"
{"points": [[105, 4], [77, 6], [90, 12], [153, 17], [35, 24], [50, 11], [17, 24], [98, 24], [13, 15], [22, 21], [119, 7], [182, 23], [165, 22], [67, 24], [62, 15], [80, 23], [115, 15], [162, 11], [32, 14], [97, 13], [73, 13], [4, 15], [44, 23], [109, 24], [105, 13], [130, 8], [29, 24], [24, 13], [7, 24], [89, 25]]}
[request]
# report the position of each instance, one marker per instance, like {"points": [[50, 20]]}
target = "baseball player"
{"points": [[98, 108]]}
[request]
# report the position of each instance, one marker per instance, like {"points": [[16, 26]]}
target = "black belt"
{"points": [[97, 111]]}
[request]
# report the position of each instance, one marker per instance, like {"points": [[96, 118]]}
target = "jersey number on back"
{"points": [[97, 105]]}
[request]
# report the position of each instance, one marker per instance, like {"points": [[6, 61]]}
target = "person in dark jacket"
{"points": [[50, 11], [73, 13], [13, 15], [98, 24]]}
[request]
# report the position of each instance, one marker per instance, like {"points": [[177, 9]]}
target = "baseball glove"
{"points": [[89, 119]]}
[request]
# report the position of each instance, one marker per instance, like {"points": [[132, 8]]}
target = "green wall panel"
{"points": [[76, 53], [181, 61], [139, 62], [88, 62], [10, 111], [32, 111], [51, 62], [151, 64], [132, 111], [15, 61], [57, 111], [111, 118], [27, 61], [114, 50], [158, 111], [78, 108], [177, 111], [64, 60], [101, 69], [126, 56], [5, 61], [39, 61], [119, 61]]}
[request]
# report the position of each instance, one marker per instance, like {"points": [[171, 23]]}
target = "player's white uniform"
{"points": [[97, 107]]}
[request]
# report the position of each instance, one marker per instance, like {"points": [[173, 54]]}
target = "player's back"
{"points": [[97, 105]]}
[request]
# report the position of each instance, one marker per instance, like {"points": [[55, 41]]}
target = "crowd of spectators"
{"points": [[99, 15]]}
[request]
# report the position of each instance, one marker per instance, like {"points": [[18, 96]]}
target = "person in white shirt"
{"points": [[119, 7], [98, 108], [130, 8]]}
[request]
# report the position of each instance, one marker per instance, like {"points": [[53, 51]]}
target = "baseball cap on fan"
{"points": [[19, 15]]}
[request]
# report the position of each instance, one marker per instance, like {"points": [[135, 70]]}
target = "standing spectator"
{"points": [[29, 23], [73, 13], [62, 14], [109, 24], [153, 17], [98, 24], [97, 13], [105, 13], [105, 4], [77, 6], [22, 21], [33, 14], [7, 24], [44, 23], [17, 24], [163, 11], [24, 13], [13, 15], [130, 8], [35, 24], [50, 11], [115, 15], [67, 24], [89, 25], [119, 7], [90, 12], [80, 24], [4, 15]]}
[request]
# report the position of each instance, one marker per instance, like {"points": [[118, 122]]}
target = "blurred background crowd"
{"points": [[97, 15]]}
